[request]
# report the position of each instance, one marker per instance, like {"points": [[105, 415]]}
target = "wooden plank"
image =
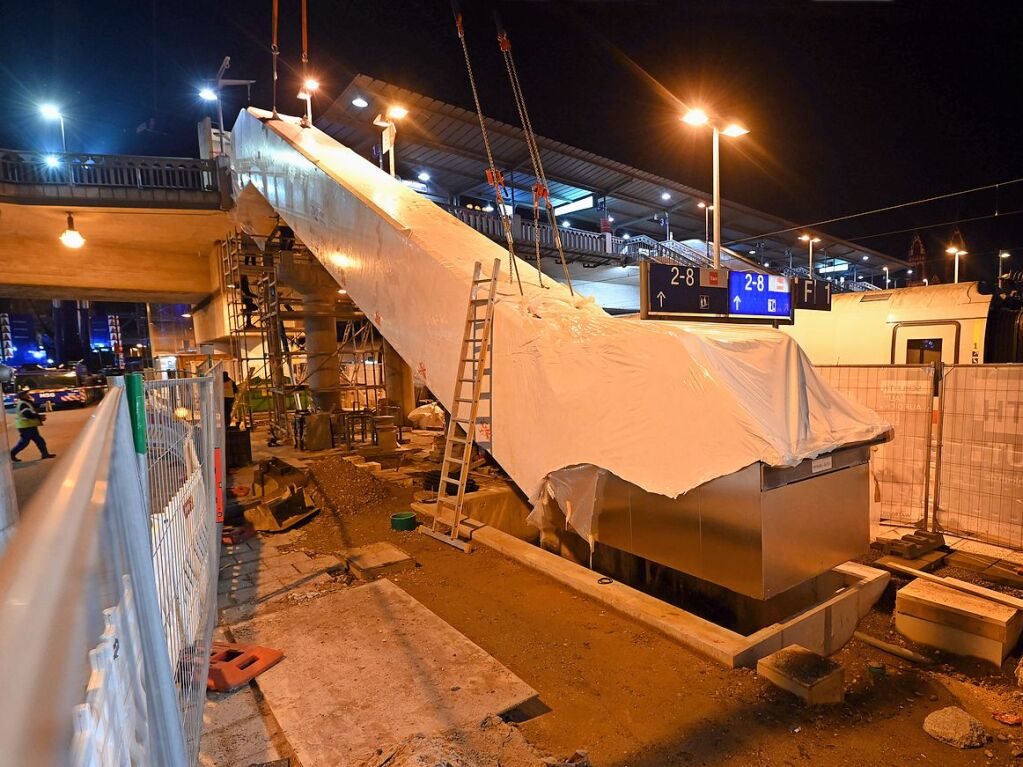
{"points": [[939, 604], [959, 585], [1003, 572], [968, 561]]}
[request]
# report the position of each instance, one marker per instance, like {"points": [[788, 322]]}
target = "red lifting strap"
{"points": [[540, 192], [502, 38], [494, 177], [458, 25]]}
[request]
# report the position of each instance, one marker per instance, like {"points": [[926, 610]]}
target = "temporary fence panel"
{"points": [[900, 469], [979, 487], [184, 429], [82, 652], [8, 501]]}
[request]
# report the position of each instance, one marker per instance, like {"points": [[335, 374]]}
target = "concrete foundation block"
{"points": [[376, 559], [957, 622], [811, 677]]}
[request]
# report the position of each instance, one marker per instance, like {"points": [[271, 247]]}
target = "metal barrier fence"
{"points": [[979, 487], [107, 587], [81, 646], [901, 469], [184, 429]]}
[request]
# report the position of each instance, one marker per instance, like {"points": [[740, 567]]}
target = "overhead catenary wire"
{"points": [[494, 176], [541, 190], [885, 209]]}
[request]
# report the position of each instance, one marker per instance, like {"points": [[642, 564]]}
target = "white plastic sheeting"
{"points": [[666, 406]]}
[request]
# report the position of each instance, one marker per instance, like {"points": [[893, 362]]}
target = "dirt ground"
{"points": [[631, 697]]}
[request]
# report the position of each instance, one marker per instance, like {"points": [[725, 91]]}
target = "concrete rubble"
{"points": [[955, 727]]}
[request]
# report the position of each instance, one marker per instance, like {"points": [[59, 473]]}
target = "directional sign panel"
{"points": [[759, 295], [812, 294], [672, 289]]}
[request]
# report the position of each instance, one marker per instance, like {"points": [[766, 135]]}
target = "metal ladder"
{"points": [[472, 367]]}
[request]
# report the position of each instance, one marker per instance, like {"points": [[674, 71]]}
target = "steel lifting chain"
{"points": [[494, 177], [541, 190]]}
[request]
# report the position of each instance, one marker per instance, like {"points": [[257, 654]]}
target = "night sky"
{"points": [[852, 105]]}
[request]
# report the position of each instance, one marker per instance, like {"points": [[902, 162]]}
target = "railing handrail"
{"points": [[91, 169]]}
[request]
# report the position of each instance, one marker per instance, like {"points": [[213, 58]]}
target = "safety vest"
{"points": [[26, 416]]}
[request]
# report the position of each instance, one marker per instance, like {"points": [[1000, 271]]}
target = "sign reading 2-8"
{"points": [[674, 289], [759, 295]]}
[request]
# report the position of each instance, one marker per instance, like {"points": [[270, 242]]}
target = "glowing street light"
{"points": [[953, 250], [887, 278], [810, 241], [697, 118], [386, 122], [71, 237], [51, 112], [309, 87], [359, 102], [52, 161], [1001, 256], [207, 94]]}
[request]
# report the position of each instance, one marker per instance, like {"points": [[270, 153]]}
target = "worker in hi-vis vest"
{"points": [[230, 390], [28, 419]]}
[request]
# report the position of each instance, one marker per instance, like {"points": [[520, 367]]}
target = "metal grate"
{"points": [[904, 395], [980, 469]]}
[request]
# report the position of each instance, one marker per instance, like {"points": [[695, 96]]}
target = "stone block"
{"points": [[376, 559], [813, 678]]}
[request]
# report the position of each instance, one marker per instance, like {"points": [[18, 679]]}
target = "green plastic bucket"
{"points": [[404, 520]]}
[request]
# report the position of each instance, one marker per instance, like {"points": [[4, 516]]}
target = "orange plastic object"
{"points": [[235, 665]]}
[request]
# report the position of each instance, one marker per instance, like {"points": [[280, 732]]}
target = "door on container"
{"points": [[920, 343]]}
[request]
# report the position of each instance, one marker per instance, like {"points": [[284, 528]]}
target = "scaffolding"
{"points": [[266, 320]]}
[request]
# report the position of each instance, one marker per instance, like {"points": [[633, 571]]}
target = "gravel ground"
{"points": [[346, 489]]}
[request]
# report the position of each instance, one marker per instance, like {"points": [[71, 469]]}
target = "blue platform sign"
{"points": [[759, 295]]}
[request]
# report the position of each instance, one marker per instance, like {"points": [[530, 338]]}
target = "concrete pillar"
{"points": [[321, 350], [398, 382]]}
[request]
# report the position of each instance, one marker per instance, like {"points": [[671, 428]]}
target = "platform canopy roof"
{"points": [[444, 141]]}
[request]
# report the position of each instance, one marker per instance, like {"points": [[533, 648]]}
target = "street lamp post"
{"points": [[887, 278], [698, 117], [952, 250], [210, 94], [390, 131], [1001, 257], [810, 240], [50, 112], [706, 224]]}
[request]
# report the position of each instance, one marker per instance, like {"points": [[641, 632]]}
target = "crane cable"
{"points": [[275, 52], [494, 177], [541, 190], [305, 122]]}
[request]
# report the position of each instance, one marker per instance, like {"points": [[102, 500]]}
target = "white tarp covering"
{"points": [[666, 406]]}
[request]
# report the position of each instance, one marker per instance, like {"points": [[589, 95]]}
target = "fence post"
{"points": [[939, 372], [135, 388]]}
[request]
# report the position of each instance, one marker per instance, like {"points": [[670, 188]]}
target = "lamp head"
{"points": [[49, 111], [396, 112], [695, 117], [734, 130]]}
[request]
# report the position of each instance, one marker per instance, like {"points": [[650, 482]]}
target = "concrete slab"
{"points": [[368, 666], [813, 678], [377, 559], [957, 622]]}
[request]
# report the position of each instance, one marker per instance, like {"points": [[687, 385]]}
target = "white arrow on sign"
{"points": [[660, 298], [737, 301]]}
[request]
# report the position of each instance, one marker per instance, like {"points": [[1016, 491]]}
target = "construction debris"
{"points": [[346, 489], [281, 512], [955, 727]]}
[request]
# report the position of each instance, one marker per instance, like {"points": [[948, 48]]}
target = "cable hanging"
{"points": [[275, 52], [541, 190], [494, 176]]}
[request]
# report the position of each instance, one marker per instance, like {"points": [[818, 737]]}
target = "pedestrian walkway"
{"points": [[59, 431]]}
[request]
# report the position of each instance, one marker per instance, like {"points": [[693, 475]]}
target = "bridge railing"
{"points": [[137, 172]]}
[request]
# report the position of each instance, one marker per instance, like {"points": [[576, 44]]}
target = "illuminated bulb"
{"points": [[310, 85], [695, 117], [360, 102], [665, 196], [424, 177], [71, 237], [396, 113], [49, 111], [734, 130], [181, 412], [208, 94], [52, 161]]}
